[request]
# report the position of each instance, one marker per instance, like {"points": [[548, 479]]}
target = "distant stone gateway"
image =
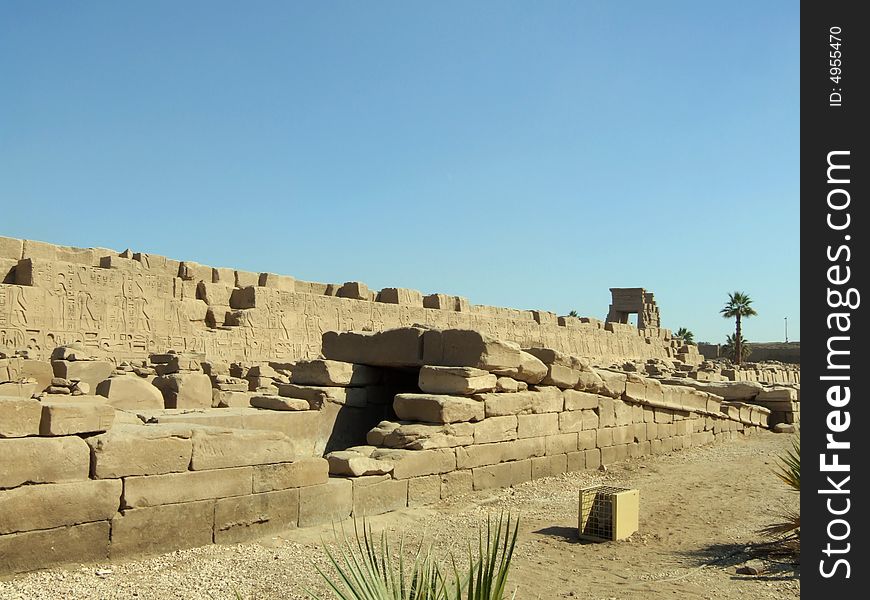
{"points": [[149, 404]]}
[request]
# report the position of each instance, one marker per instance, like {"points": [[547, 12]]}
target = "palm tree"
{"points": [[730, 349], [573, 313], [684, 334], [739, 305]]}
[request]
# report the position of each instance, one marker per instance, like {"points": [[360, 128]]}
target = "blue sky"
{"points": [[521, 154]]}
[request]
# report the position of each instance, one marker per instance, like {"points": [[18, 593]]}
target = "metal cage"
{"points": [[608, 513]]}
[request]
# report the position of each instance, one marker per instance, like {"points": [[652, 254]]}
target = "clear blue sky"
{"points": [[522, 154]]}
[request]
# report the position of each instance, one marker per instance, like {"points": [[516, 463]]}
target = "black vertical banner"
{"points": [[835, 168]]}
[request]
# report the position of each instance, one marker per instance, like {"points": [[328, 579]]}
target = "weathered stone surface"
{"points": [[247, 517], [456, 483], [190, 486], [490, 454], [495, 429], [509, 384], [576, 400], [546, 399], [502, 475], [317, 396], [455, 380], [19, 417], [417, 436], [162, 528], [130, 392], [416, 463], [424, 490], [431, 408], [234, 399], [354, 290], [354, 464], [468, 348], [391, 348], [31, 550], [333, 373], [69, 417], [18, 389], [185, 390], [279, 403], [43, 460], [140, 450], [327, 503], [379, 497], [214, 294], [91, 372], [215, 448], [402, 296], [58, 504], [531, 369], [537, 425], [285, 283], [302, 473], [549, 466]]}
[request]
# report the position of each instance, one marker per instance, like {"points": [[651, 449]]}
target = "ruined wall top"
{"points": [[130, 304]]}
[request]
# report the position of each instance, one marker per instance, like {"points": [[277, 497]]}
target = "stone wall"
{"points": [[437, 413], [129, 305]]}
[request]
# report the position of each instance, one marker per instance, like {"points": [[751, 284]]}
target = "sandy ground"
{"points": [[700, 512]]}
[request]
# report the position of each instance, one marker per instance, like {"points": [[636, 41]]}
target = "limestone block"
{"points": [[118, 262], [191, 271], [588, 439], [333, 373], [402, 296], [317, 396], [223, 276], [541, 400], [539, 425], [185, 390], [58, 504], [164, 528], [456, 483], [432, 408], [561, 376], [215, 448], [43, 460], [302, 473], [390, 348], [354, 464], [91, 372], [130, 392], [127, 450], [445, 302], [495, 429], [561, 443], [236, 399], [415, 436], [189, 486], [502, 475], [18, 369], [279, 403], [469, 348], [379, 497], [22, 390], [214, 294], [19, 417], [285, 283], [509, 385], [416, 463], [71, 417], [549, 466], [570, 421], [327, 503], [354, 290], [21, 552], [612, 383], [11, 248], [490, 454], [576, 461], [424, 490], [455, 380], [248, 517], [576, 400]]}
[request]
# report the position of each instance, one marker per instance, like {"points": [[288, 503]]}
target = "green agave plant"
{"points": [[789, 471], [367, 569]]}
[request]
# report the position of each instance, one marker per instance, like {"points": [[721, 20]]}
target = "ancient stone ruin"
{"points": [[148, 404]]}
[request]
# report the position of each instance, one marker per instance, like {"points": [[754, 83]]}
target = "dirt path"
{"points": [[699, 509]]}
